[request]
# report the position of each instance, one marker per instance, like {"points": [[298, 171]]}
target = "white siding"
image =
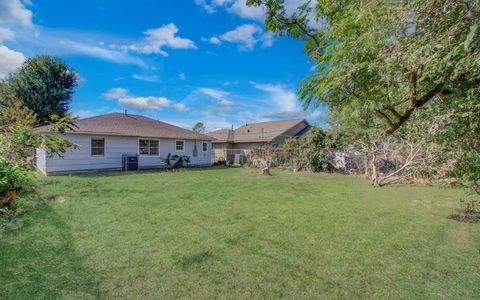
{"points": [[81, 159], [41, 157]]}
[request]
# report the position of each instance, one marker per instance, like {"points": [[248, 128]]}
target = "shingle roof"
{"points": [[255, 132], [222, 135], [133, 125]]}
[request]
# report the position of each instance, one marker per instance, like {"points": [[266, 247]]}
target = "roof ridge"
{"points": [[274, 121]]}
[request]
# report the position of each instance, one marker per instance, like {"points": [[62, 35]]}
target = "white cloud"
{"points": [[209, 8], [257, 13], [235, 7], [220, 96], [214, 40], [116, 93], [10, 61], [285, 104], [99, 52], [243, 35], [152, 78], [241, 9], [6, 34], [145, 103], [182, 76], [285, 99], [179, 107], [267, 39], [160, 37], [247, 36], [150, 103], [14, 13]]}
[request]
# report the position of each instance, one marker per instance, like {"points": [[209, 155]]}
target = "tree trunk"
{"points": [[375, 176], [266, 171], [366, 173]]}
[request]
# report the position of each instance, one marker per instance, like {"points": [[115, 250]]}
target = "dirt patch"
{"points": [[55, 198], [466, 217]]}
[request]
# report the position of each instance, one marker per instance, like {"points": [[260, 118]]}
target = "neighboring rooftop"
{"points": [[257, 132], [133, 125], [222, 135]]}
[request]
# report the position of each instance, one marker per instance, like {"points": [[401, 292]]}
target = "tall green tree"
{"points": [[387, 57], [45, 85]]}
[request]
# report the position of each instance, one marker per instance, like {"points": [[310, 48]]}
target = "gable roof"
{"points": [[222, 135], [257, 132], [132, 125]]}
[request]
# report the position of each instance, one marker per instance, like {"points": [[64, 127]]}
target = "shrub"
{"points": [[14, 180]]}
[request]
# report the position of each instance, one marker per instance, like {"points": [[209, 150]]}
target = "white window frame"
{"points": [[148, 155], [183, 148], [104, 146], [204, 142]]}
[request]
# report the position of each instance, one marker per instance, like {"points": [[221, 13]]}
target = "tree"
{"points": [[197, 129], [392, 63], [45, 85], [387, 57], [18, 141]]}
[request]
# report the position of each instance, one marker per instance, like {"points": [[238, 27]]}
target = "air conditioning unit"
{"points": [[129, 162]]}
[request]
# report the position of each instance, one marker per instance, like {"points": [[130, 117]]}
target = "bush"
{"points": [[14, 180], [317, 151]]}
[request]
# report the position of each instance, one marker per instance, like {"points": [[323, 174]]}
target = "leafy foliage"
{"points": [[14, 179], [389, 58], [315, 150], [45, 85], [18, 141], [19, 138], [175, 161]]}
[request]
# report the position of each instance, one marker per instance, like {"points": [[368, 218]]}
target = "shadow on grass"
{"points": [[39, 261], [146, 171]]}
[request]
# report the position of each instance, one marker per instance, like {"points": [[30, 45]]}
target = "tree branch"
{"points": [[414, 105], [386, 118], [295, 22]]}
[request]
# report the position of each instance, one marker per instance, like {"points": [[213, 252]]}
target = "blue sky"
{"points": [[178, 61]]}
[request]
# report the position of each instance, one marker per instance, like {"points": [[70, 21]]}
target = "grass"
{"points": [[233, 233]]}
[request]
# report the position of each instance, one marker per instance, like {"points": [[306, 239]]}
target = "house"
{"points": [[104, 139], [234, 145]]}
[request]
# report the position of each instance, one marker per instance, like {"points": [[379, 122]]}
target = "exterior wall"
{"points": [[229, 151], [220, 150], [41, 158], [78, 160]]}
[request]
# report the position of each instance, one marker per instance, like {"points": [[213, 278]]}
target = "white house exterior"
{"points": [[104, 139]]}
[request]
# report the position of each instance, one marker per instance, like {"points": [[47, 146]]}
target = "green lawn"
{"points": [[233, 233]]}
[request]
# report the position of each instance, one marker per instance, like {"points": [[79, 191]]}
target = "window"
{"points": [[180, 146], [204, 146], [98, 147], [148, 147]]}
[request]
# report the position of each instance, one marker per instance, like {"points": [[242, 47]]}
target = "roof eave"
{"points": [[205, 138]]}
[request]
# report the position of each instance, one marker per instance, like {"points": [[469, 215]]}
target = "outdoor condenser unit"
{"points": [[129, 162]]}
